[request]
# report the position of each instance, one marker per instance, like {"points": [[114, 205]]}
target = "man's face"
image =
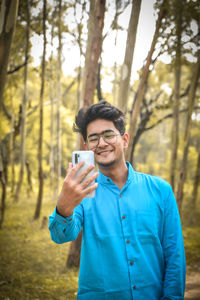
{"points": [[107, 154]]}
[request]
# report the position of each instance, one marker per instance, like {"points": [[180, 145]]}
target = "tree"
{"points": [[8, 15], [24, 101], [94, 52], [142, 83], [128, 59], [191, 101], [196, 183], [89, 85], [40, 146], [58, 118], [177, 73]]}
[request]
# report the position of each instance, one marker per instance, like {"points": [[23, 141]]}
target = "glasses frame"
{"points": [[99, 135]]}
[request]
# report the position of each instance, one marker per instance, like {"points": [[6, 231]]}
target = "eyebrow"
{"points": [[107, 130]]}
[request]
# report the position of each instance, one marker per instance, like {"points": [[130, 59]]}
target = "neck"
{"points": [[117, 173]]}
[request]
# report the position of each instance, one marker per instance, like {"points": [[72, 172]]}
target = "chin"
{"points": [[105, 164]]}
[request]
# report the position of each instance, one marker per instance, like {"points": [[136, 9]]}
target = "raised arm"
{"points": [[66, 221]]}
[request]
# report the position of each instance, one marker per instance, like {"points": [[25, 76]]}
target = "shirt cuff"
{"points": [[62, 219]]}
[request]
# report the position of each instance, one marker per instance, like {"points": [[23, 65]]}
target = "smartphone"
{"points": [[88, 158]]}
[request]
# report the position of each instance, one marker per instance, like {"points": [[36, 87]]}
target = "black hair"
{"points": [[100, 110]]}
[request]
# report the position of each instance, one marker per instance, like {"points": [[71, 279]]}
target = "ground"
{"points": [[32, 267], [192, 291]]}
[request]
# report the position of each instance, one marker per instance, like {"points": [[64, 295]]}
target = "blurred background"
{"points": [[59, 55]]}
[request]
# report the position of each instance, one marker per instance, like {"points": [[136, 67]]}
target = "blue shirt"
{"points": [[132, 243]]}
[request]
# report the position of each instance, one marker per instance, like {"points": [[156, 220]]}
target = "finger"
{"points": [[89, 180], [69, 167], [76, 168], [84, 173], [90, 189]]}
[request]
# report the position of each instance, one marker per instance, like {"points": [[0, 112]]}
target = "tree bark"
{"points": [[91, 28], [24, 101], [8, 16], [58, 117], [177, 73], [52, 113], [29, 181], [128, 59], [40, 148], [191, 101], [99, 92], [141, 88], [3, 170], [196, 183], [93, 51]]}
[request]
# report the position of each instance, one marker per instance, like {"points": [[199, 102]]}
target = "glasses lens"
{"points": [[109, 137], [93, 140]]}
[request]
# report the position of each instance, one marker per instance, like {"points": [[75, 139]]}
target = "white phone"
{"points": [[88, 158]]}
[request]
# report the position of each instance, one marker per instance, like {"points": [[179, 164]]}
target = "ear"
{"points": [[126, 140], [85, 147]]}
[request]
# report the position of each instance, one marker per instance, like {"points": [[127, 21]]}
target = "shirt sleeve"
{"points": [[63, 229], [173, 250]]}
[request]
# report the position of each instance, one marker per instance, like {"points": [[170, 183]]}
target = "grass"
{"points": [[32, 267], [192, 247]]}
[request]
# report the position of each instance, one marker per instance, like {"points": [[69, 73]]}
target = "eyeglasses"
{"points": [[110, 137]]}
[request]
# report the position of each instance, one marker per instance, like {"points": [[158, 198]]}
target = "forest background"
{"points": [[57, 56]]}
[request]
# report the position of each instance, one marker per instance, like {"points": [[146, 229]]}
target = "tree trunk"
{"points": [[11, 144], [3, 183], [4, 146], [141, 89], [128, 59], [93, 52], [40, 148], [58, 118], [24, 101], [196, 183], [177, 66], [91, 27], [99, 92], [29, 181], [8, 16], [191, 101], [52, 113], [73, 259]]}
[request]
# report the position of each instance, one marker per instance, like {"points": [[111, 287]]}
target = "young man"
{"points": [[132, 244]]}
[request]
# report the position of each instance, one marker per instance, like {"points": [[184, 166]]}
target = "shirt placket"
{"points": [[128, 240]]}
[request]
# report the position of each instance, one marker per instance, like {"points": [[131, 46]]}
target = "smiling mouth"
{"points": [[104, 152]]}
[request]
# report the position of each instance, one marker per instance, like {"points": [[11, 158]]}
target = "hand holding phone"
{"points": [[78, 184], [88, 158]]}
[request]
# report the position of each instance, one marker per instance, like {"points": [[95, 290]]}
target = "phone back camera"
{"points": [[76, 158]]}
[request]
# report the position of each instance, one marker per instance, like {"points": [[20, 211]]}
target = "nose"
{"points": [[101, 142]]}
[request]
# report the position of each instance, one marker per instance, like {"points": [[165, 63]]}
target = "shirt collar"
{"points": [[104, 179]]}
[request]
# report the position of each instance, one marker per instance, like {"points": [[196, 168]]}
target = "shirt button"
{"points": [[123, 217], [128, 242], [134, 287], [64, 221], [131, 263], [70, 219], [120, 195]]}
